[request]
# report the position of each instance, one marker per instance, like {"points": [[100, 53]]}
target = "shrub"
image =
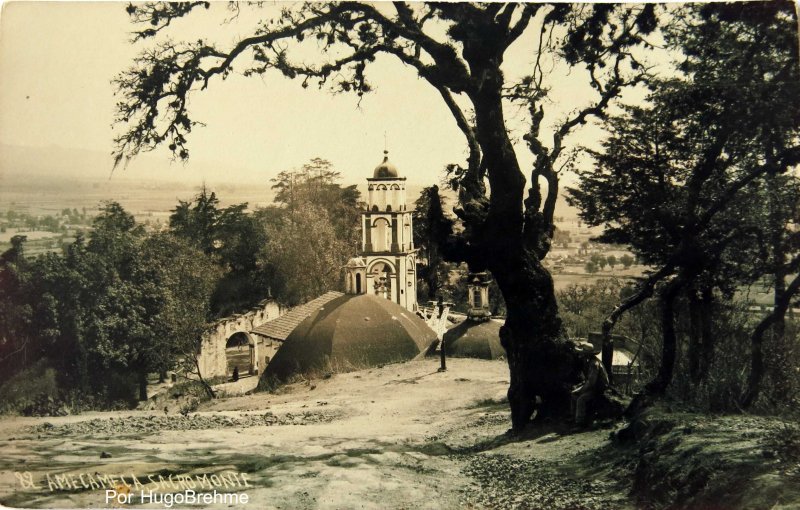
{"points": [[35, 385]]}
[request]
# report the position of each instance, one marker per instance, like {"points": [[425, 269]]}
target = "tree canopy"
{"points": [[232, 237], [432, 232], [108, 311], [312, 232], [682, 178]]}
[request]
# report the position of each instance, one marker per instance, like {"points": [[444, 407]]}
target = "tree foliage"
{"points": [[317, 183], [230, 236], [680, 178], [108, 311], [306, 254], [432, 233], [16, 310]]}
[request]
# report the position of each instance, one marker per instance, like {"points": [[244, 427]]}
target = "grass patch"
{"points": [[490, 403]]}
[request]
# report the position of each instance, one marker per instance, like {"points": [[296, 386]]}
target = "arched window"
{"points": [[381, 237], [395, 196], [476, 298], [381, 199]]}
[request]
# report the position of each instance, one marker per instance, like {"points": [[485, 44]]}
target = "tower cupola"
{"points": [[385, 169]]}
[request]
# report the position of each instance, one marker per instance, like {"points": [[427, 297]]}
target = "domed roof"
{"points": [[356, 262], [474, 339], [385, 169], [352, 331]]}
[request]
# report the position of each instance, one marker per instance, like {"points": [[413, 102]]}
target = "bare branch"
{"points": [[528, 12], [464, 126]]}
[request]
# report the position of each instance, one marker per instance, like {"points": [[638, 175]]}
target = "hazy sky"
{"points": [[57, 60]]}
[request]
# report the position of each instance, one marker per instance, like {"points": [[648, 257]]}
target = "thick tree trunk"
{"points": [[669, 341], [540, 363]]}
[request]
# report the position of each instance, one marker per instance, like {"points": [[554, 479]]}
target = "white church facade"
{"points": [[387, 262]]}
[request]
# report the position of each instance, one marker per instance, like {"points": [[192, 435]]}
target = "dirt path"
{"points": [[401, 436]]}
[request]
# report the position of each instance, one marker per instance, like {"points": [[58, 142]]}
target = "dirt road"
{"points": [[400, 436]]}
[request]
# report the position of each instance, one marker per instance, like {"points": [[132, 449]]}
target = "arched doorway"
{"points": [[382, 276], [240, 353]]}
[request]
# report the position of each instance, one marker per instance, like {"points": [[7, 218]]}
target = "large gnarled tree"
{"points": [[459, 49]]}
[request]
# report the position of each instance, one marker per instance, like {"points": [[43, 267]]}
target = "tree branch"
{"points": [[782, 304], [644, 291], [159, 15]]}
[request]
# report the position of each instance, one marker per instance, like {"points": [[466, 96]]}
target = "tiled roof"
{"points": [[279, 329]]}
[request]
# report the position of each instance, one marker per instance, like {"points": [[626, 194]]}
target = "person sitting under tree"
{"points": [[594, 385]]}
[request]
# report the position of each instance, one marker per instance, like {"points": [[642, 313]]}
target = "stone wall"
{"points": [[212, 359]]}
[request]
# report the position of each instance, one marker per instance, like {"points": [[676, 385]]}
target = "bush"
{"points": [[584, 307], [37, 391], [33, 386]]}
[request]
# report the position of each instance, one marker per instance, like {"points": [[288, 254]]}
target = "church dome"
{"points": [[474, 339], [351, 332], [385, 169]]}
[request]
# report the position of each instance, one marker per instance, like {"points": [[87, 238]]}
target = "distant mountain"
{"points": [[85, 176], [44, 180], [81, 164]]}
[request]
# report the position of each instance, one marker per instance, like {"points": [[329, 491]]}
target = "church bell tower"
{"points": [[387, 263]]}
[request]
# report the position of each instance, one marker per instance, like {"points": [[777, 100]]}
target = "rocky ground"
{"points": [[150, 424], [400, 436]]}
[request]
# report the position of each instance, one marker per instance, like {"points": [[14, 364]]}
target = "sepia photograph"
{"points": [[400, 255]]}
